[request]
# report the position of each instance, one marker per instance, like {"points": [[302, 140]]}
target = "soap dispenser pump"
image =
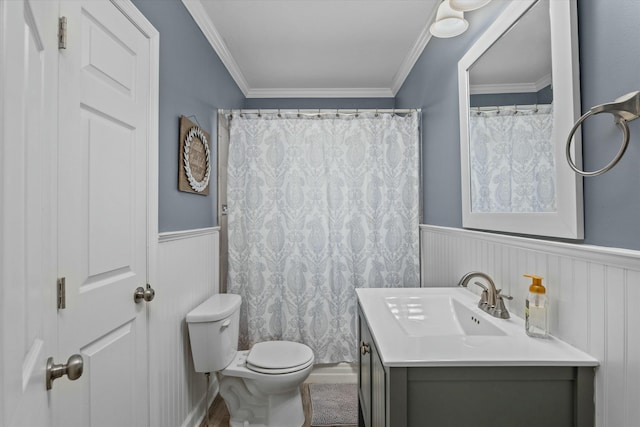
{"points": [[536, 309]]}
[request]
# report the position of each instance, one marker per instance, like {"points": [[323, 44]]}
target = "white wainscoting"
{"points": [[187, 275], [594, 293]]}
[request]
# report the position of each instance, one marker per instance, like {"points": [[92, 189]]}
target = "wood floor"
{"points": [[219, 416]]}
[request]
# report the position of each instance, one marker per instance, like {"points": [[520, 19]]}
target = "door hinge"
{"points": [[61, 293], [62, 32]]}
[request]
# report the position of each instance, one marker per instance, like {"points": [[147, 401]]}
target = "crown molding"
{"points": [[320, 93], [484, 89], [413, 55], [544, 81], [199, 15]]}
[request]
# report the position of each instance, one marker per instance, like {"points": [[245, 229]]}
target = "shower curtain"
{"points": [[512, 160], [319, 206]]}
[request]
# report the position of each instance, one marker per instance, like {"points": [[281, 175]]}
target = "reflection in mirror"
{"points": [[519, 96], [512, 164]]}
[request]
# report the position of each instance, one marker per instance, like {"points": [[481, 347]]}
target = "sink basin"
{"points": [[444, 327], [438, 315]]}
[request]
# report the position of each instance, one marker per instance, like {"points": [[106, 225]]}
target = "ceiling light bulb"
{"points": [[449, 22], [467, 5]]}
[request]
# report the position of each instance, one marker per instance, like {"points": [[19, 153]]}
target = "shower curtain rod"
{"points": [[512, 107], [322, 111]]}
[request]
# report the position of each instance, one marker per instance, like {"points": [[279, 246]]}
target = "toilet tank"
{"points": [[213, 332]]}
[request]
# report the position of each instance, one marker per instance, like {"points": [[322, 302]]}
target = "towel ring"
{"points": [[624, 109]]}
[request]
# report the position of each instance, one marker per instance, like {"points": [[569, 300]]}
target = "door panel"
{"points": [[109, 248], [103, 214], [107, 371], [27, 271]]}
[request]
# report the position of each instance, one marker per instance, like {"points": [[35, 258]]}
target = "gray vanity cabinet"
{"points": [[523, 396], [371, 381]]}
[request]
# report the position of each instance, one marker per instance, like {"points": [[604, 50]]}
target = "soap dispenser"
{"points": [[536, 309]]}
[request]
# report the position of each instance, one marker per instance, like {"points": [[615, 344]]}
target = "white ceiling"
{"points": [[316, 48], [520, 61], [354, 48]]}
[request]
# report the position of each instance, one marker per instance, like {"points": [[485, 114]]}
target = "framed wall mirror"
{"points": [[519, 97]]}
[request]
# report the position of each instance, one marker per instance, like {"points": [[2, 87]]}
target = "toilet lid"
{"points": [[280, 356]]}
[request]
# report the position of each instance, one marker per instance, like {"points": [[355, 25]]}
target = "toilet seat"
{"points": [[279, 357]]}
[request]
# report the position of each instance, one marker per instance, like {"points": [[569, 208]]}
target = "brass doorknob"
{"points": [[144, 294], [72, 369]]}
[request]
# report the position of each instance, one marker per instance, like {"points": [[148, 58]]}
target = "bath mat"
{"points": [[334, 404]]}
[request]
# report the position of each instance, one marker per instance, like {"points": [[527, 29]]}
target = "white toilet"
{"points": [[261, 386]]}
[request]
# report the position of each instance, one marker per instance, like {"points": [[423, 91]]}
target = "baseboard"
{"points": [[334, 373], [196, 416]]}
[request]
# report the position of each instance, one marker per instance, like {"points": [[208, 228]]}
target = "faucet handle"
{"points": [[481, 285], [501, 296]]}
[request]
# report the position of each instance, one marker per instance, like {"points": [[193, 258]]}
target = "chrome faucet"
{"points": [[491, 300]]}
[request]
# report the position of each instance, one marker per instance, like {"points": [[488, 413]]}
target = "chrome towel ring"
{"points": [[624, 109]]}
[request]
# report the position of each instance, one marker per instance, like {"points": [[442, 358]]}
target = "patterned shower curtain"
{"points": [[512, 160], [319, 206]]}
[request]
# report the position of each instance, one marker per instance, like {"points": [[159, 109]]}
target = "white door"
{"points": [[102, 213], [28, 83]]}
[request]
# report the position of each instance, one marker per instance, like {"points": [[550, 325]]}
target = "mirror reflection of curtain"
{"points": [[512, 160], [317, 208]]}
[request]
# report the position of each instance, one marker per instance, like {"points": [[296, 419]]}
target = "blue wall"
{"points": [[543, 96], [610, 60], [432, 85], [193, 81], [609, 64], [609, 68]]}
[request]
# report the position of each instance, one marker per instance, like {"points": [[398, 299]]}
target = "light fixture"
{"points": [[449, 22], [467, 5]]}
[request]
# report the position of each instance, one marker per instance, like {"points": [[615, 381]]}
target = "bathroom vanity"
{"points": [[430, 357]]}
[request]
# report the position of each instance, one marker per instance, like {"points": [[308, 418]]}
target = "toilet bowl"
{"points": [[261, 386]]}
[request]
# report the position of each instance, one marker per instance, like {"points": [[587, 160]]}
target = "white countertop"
{"points": [[397, 347]]}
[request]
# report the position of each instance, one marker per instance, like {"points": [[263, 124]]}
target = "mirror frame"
{"points": [[567, 222]]}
